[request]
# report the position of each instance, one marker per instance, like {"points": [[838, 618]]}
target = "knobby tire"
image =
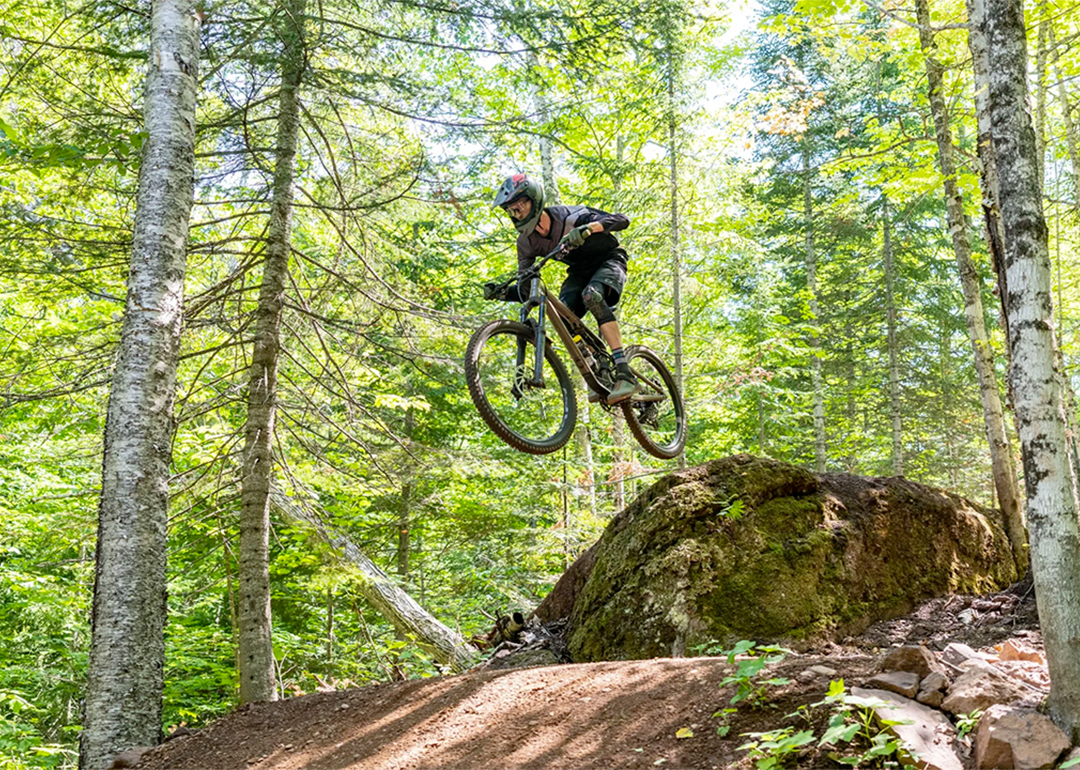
{"points": [[675, 446], [490, 416]]}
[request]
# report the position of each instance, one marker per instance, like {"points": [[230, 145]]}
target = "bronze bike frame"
{"points": [[567, 326]]}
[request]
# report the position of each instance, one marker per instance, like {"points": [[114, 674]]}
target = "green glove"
{"points": [[577, 236]]}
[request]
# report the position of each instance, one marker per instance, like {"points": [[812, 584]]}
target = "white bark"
{"points": [[411, 620], [257, 670], [122, 707], [547, 147], [1051, 495]]}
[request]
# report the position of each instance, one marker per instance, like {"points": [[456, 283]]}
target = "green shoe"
{"points": [[624, 388]]}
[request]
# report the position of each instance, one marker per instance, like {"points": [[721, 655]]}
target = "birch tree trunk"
{"points": [[820, 457], [409, 619], [122, 706], [995, 239], [1051, 493], [547, 147], [1071, 142], [257, 676], [1040, 93], [894, 355], [993, 415]]}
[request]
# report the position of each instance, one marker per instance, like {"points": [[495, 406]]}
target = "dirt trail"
{"points": [[596, 715]]}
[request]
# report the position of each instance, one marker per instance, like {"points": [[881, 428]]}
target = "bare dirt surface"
{"points": [[595, 715]]}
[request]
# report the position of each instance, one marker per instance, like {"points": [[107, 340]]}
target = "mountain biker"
{"points": [[596, 267]]}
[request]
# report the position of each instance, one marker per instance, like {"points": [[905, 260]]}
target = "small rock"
{"points": [[980, 687], [1014, 649], [915, 659], [968, 616], [901, 682], [823, 671], [343, 706], [929, 736], [806, 676], [1022, 739], [957, 652], [1022, 670], [935, 680], [932, 698]]}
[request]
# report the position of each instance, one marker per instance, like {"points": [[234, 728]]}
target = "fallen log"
{"points": [[444, 644]]}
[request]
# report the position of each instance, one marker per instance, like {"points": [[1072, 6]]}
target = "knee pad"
{"points": [[593, 297]]}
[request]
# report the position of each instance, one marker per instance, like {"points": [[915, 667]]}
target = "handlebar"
{"points": [[497, 291]]}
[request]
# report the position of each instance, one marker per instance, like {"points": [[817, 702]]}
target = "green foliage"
{"points": [[854, 725], [776, 748], [753, 658], [412, 114], [965, 723]]}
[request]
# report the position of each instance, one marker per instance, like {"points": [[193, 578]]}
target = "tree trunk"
{"points": [[543, 116], [404, 545], [676, 249], [894, 347], [1074, 163], [584, 438], [122, 706], [1040, 93], [993, 415], [257, 677], [618, 439], [408, 618], [1071, 141], [811, 288], [1051, 493]]}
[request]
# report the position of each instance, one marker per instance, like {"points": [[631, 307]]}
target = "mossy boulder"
{"points": [[748, 548]]}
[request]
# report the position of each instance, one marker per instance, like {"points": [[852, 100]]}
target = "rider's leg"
{"points": [[594, 299]]}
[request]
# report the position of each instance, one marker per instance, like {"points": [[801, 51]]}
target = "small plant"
{"points": [[777, 747], [853, 722], [965, 723], [724, 715], [754, 658]]}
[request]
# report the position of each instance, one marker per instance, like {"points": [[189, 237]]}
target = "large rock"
{"points": [[1022, 739], [982, 686], [747, 548], [928, 736]]}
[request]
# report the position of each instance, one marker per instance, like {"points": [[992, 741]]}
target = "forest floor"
{"points": [[593, 715]]}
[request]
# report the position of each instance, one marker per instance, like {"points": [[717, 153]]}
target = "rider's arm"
{"points": [[609, 223]]}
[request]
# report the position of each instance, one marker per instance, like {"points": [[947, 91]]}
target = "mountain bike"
{"points": [[524, 392]]}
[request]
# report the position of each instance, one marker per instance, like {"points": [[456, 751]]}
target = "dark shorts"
{"points": [[611, 274]]}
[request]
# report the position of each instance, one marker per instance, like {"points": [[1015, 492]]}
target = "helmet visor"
{"points": [[519, 209]]}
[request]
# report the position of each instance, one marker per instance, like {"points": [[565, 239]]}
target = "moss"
{"points": [[808, 555]]}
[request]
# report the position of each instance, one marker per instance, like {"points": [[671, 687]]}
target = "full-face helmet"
{"points": [[518, 187]]}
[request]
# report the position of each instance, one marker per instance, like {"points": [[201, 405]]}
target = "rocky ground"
{"points": [[662, 712]]}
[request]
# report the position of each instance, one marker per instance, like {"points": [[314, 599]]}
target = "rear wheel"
{"points": [[537, 418], [655, 414]]}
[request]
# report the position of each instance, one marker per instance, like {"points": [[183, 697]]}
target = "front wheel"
{"points": [[533, 417], [655, 414]]}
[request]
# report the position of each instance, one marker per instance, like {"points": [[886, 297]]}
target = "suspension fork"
{"points": [[537, 300]]}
